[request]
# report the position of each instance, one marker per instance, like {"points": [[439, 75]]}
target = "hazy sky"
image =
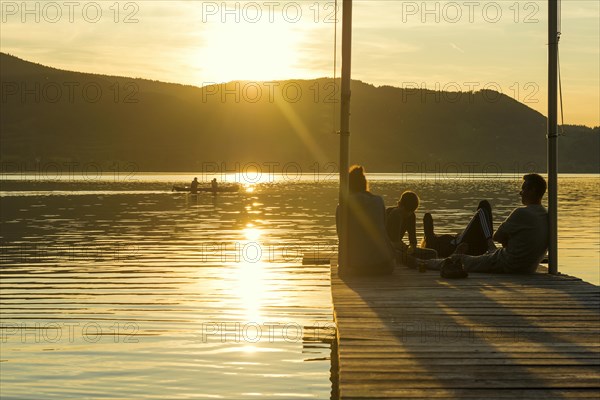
{"points": [[452, 45]]}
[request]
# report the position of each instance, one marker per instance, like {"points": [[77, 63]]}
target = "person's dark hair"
{"points": [[537, 183], [409, 201], [357, 182]]}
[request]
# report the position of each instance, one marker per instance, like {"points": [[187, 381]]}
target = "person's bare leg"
{"points": [[428, 230]]}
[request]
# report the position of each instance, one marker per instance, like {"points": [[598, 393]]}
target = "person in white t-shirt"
{"points": [[523, 236]]}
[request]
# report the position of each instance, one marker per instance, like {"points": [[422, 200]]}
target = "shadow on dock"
{"points": [[414, 335]]}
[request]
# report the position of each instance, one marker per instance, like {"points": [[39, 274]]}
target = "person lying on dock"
{"points": [[369, 251], [523, 235], [474, 240]]}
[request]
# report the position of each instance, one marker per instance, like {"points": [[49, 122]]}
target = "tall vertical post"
{"points": [[345, 129], [552, 136]]}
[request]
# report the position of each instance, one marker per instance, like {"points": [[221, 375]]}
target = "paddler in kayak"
{"points": [[194, 186]]}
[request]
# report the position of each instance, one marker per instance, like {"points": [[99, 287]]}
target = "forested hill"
{"points": [[55, 116]]}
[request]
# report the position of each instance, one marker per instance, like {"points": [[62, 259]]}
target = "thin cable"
{"points": [[559, 16], [562, 116], [333, 112]]}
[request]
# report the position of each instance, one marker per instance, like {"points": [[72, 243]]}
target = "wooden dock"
{"points": [[416, 336]]}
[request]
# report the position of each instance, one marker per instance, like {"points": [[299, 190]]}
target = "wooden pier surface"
{"points": [[416, 336]]}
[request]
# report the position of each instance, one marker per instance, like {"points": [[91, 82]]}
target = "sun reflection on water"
{"points": [[250, 289], [251, 233]]}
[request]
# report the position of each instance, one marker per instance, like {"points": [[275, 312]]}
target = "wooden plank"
{"points": [[395, 393], [460, 380], [414, 335], [393, 364]]}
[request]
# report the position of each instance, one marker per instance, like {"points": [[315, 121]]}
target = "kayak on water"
{"points": [[220, 189]]}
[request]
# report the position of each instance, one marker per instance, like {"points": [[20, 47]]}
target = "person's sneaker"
{"points": [[484, 204], [452, 268]]}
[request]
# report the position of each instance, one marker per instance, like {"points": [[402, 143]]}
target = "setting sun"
{"points": [[244, 51]]}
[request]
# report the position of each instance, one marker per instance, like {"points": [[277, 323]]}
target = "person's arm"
{"points": [[407, 224], [506, 229], [501, 237], [411, 226]]}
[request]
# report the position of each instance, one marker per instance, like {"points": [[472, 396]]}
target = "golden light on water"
{"points": [[250, 289], [251, 233], [249, 349], [251, 283]]}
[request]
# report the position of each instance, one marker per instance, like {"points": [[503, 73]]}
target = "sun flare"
{"points": [[244, 51]]}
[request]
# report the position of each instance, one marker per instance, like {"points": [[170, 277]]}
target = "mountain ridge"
{"points": [[53, 115]]}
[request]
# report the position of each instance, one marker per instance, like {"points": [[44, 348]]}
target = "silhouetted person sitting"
{"points": [[475, 240], [194, 186], [368, 247], [523, 235], [401, 220]]}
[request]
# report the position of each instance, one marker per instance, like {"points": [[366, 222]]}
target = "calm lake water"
{"points": [[115, 287]]}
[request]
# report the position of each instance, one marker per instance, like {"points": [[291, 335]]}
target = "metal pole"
{"points": [[552, 136], [345, 128]]}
